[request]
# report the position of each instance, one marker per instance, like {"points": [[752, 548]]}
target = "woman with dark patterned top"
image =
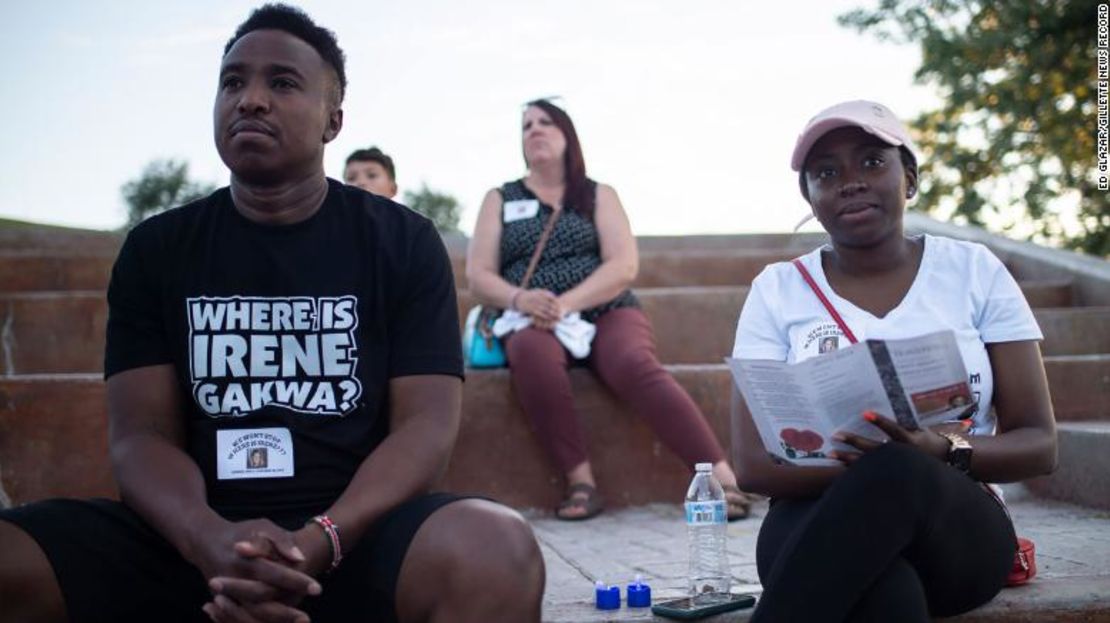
{"points": [[586, 267]]}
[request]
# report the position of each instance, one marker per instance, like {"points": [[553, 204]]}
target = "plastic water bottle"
{"points": [[707, 531]]}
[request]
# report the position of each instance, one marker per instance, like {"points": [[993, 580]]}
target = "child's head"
{"points": [[371, 170]]}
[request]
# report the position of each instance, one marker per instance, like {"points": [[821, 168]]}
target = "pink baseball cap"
{"points": [[872, 117]]}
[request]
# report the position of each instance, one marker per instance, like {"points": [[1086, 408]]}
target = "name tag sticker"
{"points": [[520, 209], [254, 453]]}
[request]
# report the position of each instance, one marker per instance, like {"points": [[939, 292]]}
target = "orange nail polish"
{"points": [[870, 416]]}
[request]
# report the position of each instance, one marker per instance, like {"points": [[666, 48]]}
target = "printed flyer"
{"points": [[797, 407]]}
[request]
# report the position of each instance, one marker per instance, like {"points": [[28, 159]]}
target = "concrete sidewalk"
{"points": [[1072, 584]]}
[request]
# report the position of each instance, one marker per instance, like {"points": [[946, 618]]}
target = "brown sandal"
{"points": [[739, 504], [580, 496]]}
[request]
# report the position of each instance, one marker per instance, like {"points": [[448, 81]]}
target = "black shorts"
{"points": [[112, 567]]}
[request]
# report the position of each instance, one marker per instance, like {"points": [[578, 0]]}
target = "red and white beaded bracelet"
{"points": [[332, 531]]}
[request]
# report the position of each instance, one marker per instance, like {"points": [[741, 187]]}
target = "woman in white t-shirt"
{"points": [[905, 530]]}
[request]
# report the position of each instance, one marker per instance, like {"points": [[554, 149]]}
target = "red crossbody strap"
{"points": [[825, 301]]}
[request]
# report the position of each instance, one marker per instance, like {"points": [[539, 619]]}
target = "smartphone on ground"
{"points": [[686, 610]]}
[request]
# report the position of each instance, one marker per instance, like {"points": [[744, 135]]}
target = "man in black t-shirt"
{"points": [[284, 388]]}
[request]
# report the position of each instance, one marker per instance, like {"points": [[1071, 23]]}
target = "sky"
{"points": [[689, 110]]}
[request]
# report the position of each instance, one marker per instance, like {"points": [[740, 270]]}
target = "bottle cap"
{"points": [[639, 594], [607, 597], [703, 467]]}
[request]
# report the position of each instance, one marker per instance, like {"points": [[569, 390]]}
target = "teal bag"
{"points": [[481, 348]]}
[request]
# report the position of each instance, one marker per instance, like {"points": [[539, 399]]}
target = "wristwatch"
{"points": [[959, 452]]}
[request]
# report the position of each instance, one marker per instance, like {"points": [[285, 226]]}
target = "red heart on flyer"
{"points": [[790, 436], [808, 441]]}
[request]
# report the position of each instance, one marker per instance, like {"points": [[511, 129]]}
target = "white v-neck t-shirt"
{"points": [[959, 285]]}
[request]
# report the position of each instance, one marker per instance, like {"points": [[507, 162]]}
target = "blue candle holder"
{"points": [[638, 594], [607, 597]]}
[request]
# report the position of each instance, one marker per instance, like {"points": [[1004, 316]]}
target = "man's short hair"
{"points": [[374, 154], [290, 19]]}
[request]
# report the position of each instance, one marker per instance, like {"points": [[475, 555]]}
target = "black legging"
{"points": [[899, 536]]}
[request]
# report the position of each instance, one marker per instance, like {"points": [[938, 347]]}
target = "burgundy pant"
{"points": [[623, 356]]}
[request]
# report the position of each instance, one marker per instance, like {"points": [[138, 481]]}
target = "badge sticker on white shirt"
{"points": [[254, 453], [520, 209]]}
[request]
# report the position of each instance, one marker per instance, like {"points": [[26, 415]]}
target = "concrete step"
{"points": [[1074, 330], [1072, 584], [690, 266], [16, 235], [1089, 275], [698, 325], [797, 243], [52, 332], [1083, 474], [497, 450], [706, 339], [723, 267], [739, 265], [31, 236], [51, 258], [53, 438], [87, 266], [38, 270], [1048, 293], [63, 332], [53, 442], [53, 432], [1080, 386], [717, 308], [59, 421]]}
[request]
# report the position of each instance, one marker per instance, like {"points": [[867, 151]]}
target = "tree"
{"points": [[162, 185], [441, 208], [1015, 137]]}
